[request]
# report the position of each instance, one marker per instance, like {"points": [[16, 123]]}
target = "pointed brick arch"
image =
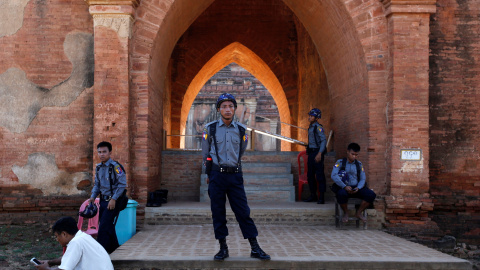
{"points": [[350, 38], [238, 53]]}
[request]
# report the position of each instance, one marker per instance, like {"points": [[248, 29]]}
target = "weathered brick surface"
{"points": [[454, 105]]}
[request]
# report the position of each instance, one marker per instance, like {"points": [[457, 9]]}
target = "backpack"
{"points": [[335, 187], [357, 164]]}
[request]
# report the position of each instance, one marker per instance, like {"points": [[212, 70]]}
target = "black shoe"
{"points": [[257, 252], [223, 252], [153, 200], [310, 199], [321, 201]]}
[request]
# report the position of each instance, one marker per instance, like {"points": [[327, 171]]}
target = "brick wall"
{"points": [[46, 153], [455, 123]]}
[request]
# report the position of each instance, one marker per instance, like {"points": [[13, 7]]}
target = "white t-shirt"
{"points": [[85, 253]]}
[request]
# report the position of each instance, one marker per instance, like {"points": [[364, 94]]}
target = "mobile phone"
{"points": [[35, 261]]}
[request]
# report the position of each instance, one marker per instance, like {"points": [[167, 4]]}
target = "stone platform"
{"points": [[297, 236], [291, 247]]}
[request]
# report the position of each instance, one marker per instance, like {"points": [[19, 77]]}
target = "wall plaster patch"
{"points": [[42, 172], [21, 99], [11, 16]]}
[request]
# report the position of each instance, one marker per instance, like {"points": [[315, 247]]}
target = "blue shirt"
{"points": [[102, 181], [228, 143], [321, 140], [351, 170]]}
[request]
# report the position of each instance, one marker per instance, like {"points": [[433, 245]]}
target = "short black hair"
{"points": [[65, 224], [353, 146], [105, 144]]}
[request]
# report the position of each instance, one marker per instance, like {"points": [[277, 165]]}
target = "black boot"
{"points": [[321, 198], [311, 199], [223, 252], [257, 252], [153, 200]]}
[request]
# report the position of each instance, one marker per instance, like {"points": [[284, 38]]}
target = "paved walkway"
{"points": [[291, 247]]}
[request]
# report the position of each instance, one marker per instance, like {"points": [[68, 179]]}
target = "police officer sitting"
{"points": [[350, 182], [316, 150], [110, 184], [223, 144]]}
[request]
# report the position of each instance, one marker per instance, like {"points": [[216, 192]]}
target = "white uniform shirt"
{"points": [[85, 253]]}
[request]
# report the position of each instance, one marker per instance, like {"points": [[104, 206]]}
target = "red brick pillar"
{"points": [[113, 22], [408, 113]]}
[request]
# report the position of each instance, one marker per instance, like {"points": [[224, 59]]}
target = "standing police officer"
{"points": [[224, 142], [315, 150], [106, 171]]}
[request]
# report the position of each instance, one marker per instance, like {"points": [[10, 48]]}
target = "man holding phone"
{"points": [[350, 182], [83, 252]]}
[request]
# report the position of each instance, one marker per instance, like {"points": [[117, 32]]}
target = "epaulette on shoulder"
{"points": [[208, 124]]}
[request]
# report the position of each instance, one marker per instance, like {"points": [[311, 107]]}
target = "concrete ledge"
{"points": [[287, 263]]}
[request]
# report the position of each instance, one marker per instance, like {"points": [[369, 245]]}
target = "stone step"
{"points": [[260, 193], [263, 167], [270, 179], [279, 213]]}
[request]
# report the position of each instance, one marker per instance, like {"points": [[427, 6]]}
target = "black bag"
{"points": [[122, 201]]}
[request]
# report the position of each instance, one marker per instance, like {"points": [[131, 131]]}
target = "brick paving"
{"points": [[193, 247]]}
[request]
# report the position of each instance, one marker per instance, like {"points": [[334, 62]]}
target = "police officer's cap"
{"points": [[226, 97], [90, 211], [315, 112]]}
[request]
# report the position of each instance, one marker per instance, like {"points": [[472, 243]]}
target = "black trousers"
{"points": [[221, 186], [107, 236], [316, 173], [365, 194]]}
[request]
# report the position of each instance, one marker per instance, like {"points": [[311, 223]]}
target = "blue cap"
{"points": [[315, 112], [226, 97]]}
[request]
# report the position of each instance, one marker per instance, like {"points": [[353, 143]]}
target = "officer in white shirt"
{"points": [[82, 253]]}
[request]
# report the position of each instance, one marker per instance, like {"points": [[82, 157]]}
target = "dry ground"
{"points": [[19, 243]]}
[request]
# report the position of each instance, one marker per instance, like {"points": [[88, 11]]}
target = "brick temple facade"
{"points": [[390, 75]]}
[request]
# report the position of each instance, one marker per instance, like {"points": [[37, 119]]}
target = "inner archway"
{"points": [[350, 39], [246, 58]]}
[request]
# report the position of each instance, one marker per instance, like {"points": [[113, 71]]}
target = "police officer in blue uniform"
{"points": [[110, 176], [223, 144], [350, 182], [316, 150]]}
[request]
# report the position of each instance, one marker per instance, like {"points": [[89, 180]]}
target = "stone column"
{"points": [[113, 21], [408, 112]]}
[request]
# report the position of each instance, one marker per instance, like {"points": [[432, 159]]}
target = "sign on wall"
{"points": [[411, 154]]}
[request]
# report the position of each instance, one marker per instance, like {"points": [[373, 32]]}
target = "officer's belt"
{"points": [[226, 169], [105, 197]]}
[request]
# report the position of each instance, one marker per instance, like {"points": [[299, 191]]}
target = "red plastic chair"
{"points": [[302, 177], [92, 227]]}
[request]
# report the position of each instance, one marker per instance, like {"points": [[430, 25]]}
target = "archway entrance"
{"points": [[241, 55], [362, 63]]}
